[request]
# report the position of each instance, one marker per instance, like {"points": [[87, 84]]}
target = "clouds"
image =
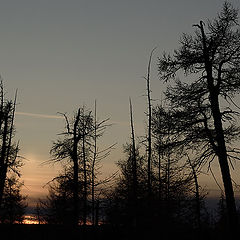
{"points": [[37, 115]]}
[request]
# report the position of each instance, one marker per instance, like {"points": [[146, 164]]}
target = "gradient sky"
{"points": [[61, 54]]}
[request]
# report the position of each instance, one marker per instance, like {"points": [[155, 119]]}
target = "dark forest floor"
{"points": [[55, 232]]}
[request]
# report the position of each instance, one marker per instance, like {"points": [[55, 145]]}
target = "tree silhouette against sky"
{"points": [[203, 104]]}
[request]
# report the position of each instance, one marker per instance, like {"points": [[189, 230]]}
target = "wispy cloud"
{"points": [[37, 115]]}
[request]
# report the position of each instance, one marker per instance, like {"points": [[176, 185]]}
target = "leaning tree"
{"points": [[203, 103]]}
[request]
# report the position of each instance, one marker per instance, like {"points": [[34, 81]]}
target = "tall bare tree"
{"points": [[134, 167], [74, 147], [149, 126], [79, 147], [97, 156]]}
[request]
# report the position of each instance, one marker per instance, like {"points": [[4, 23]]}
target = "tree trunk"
{"points": [[75, 192], [224, 166], [134, 170], [93, 164], [97, 213], [159, 174], [221, 145], [6, 147], [3, 173], [197, 194], [3, 162], [75, 172], [85, 182], [149, 137]]}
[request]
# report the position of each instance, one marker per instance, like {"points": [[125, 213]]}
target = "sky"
{"points": [[63, 54]]}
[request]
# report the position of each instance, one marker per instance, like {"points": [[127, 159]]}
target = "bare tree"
{"points": [[74, 147], [79, 147], [9, 160], [158, 144], [97, 156], [94, 163], [134, 168], [149, 127], [197, 192]]}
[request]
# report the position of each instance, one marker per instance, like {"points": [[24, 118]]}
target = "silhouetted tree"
{"points": [[165, 144], [149, 126], [8, 149], [197, 192], [120, 209], [13, 202], [97, 156], [74, 147], [176, 177], [80, 151], [93, 166], [58, 207], [158, 147], [134, 168], [211, 59]]}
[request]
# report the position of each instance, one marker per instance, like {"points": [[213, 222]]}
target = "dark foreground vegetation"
{"points": [[105, 232]]}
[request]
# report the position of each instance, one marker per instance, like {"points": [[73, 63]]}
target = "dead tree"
{"points": [[134, 168], [197, 193], [8, 151], [149, 127], [98, 155], [73, 146], [94, 163]]}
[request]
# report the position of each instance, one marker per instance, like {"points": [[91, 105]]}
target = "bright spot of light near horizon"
{"points": [[29, 219]]}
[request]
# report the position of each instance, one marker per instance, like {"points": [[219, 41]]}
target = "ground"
{"points": [[55, 232]]}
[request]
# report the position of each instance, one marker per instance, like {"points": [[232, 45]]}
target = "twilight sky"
{"points": [[61, 54]]}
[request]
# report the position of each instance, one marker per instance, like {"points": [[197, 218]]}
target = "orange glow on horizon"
{"points": [[29, 219]]}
